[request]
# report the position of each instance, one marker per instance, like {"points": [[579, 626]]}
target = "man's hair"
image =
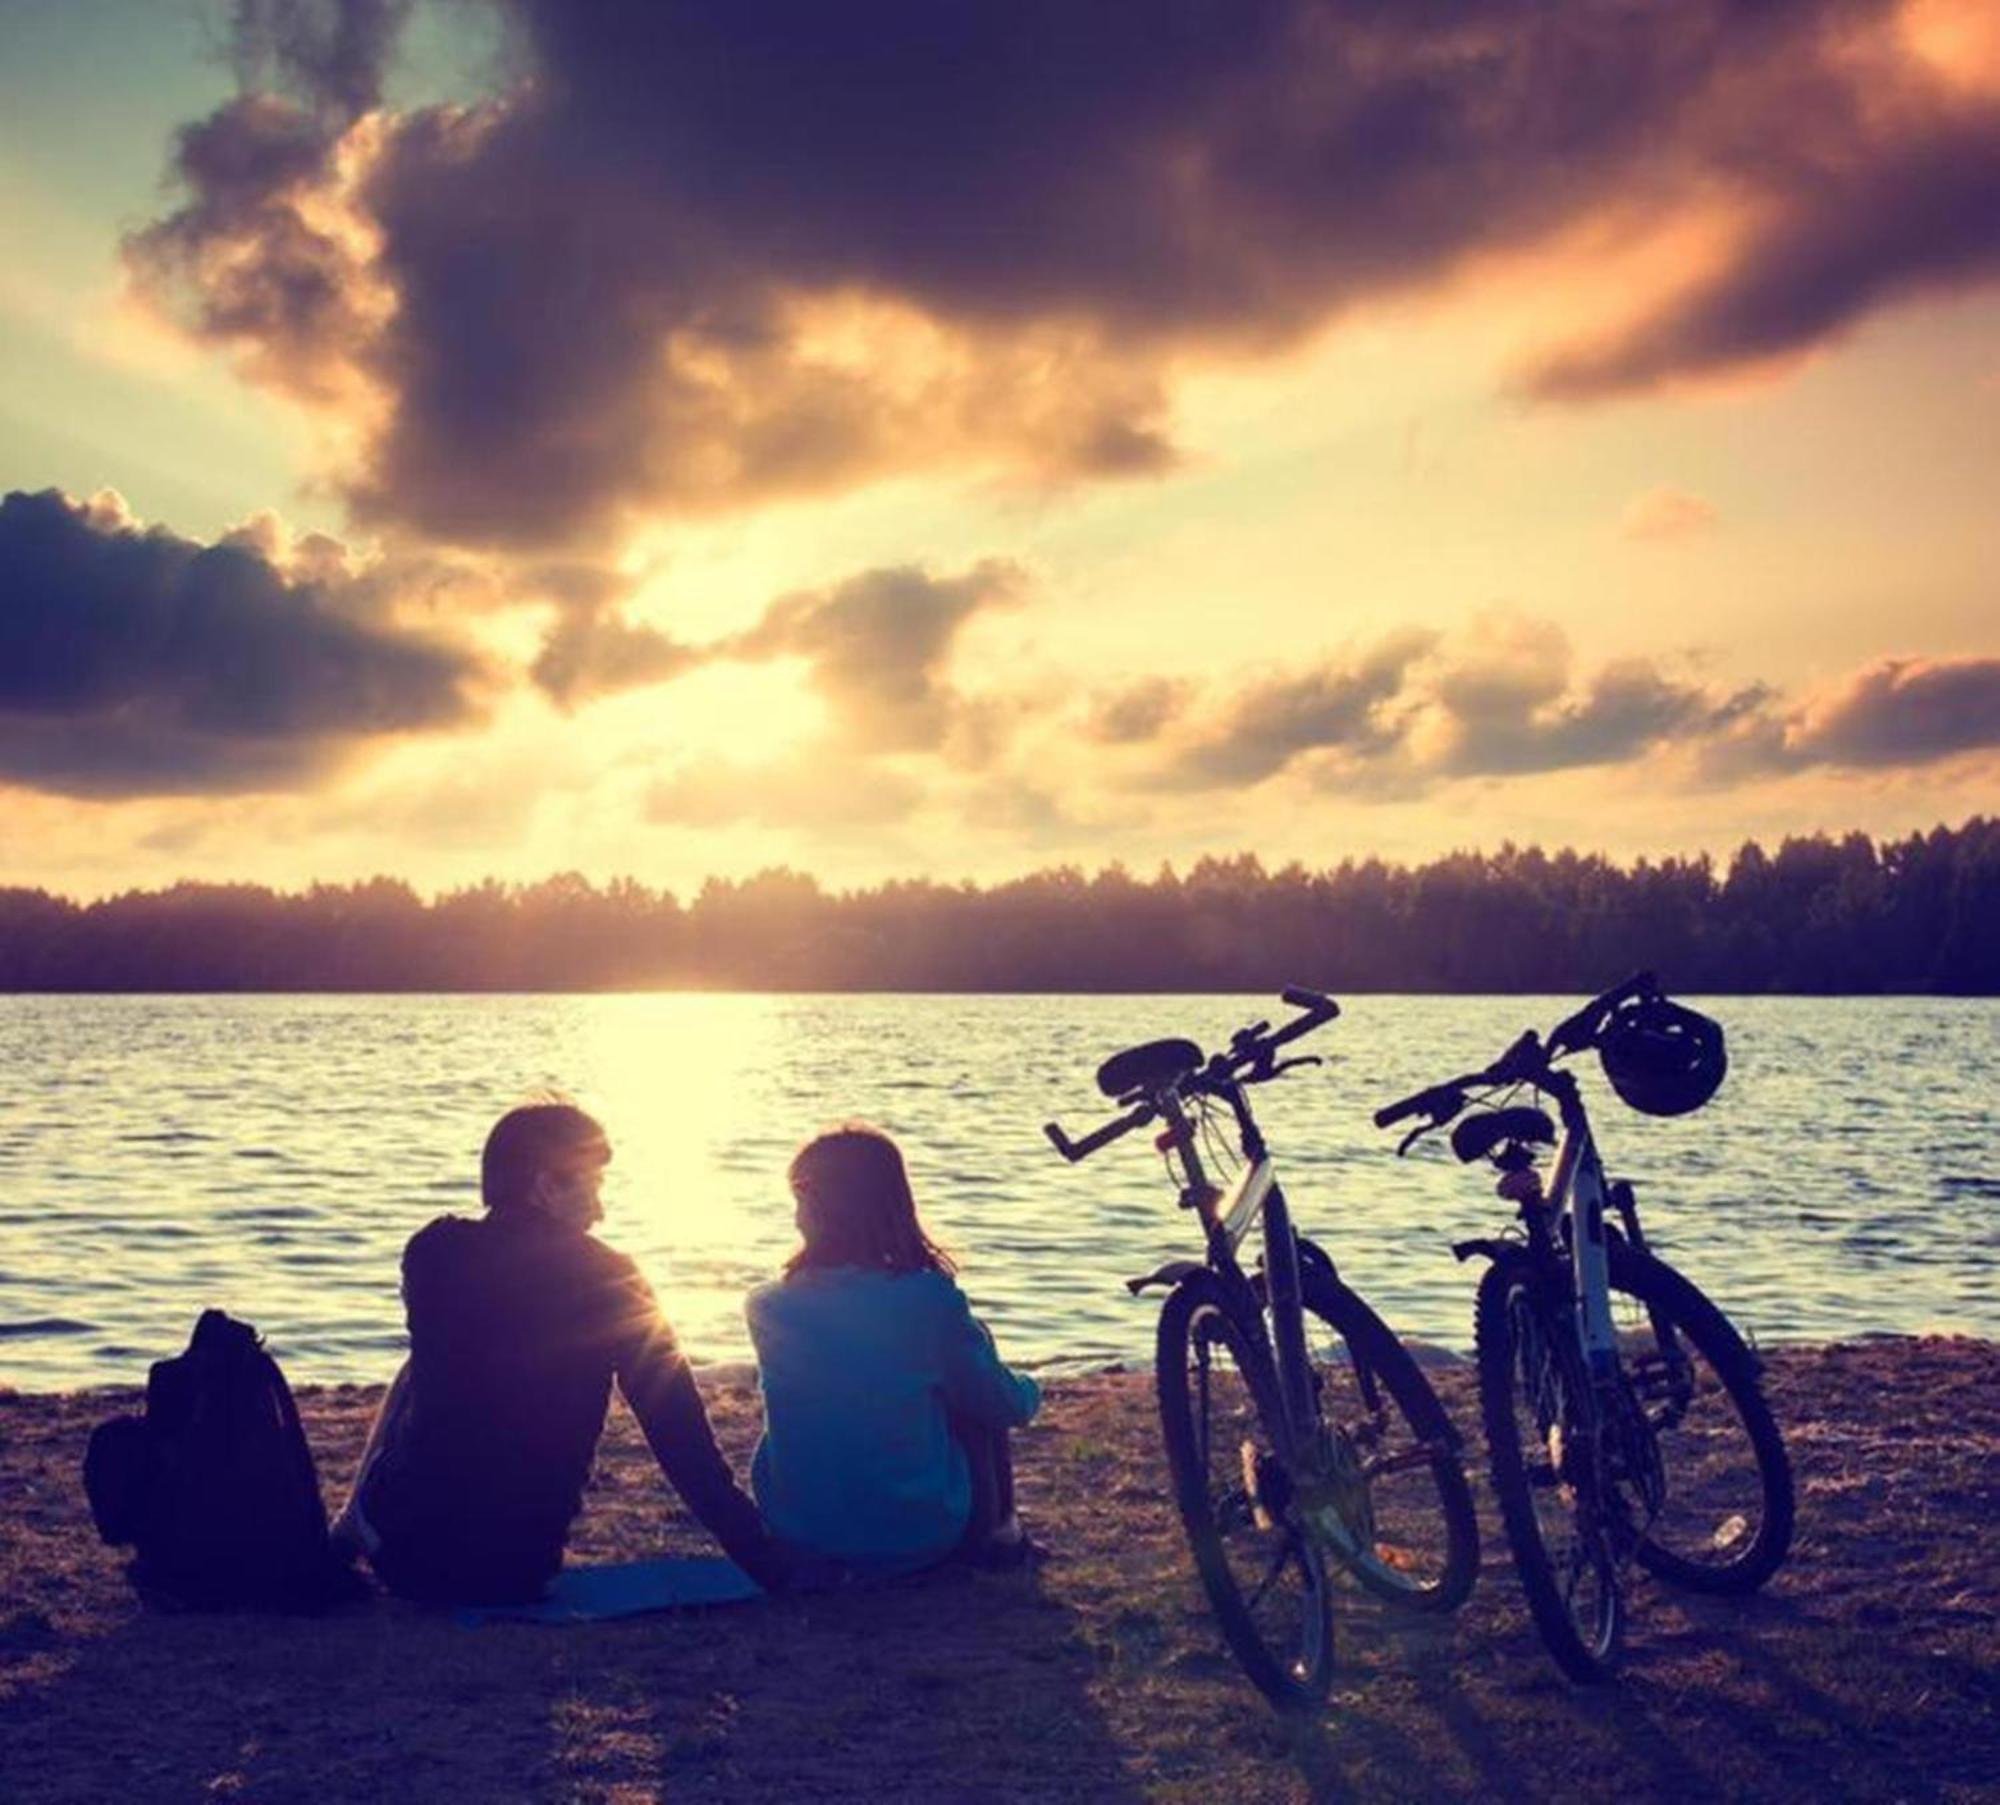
{"points": [[523, 1143]]}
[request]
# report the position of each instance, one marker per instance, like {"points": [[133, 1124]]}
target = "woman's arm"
{"points": [[977, 1382]]}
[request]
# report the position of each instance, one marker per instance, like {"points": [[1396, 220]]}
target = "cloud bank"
{"points": [[698, 257], [1415, 712], [135, 662]]}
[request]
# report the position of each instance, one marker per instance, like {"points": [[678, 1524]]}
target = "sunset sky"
{"points": [[505, 436]]}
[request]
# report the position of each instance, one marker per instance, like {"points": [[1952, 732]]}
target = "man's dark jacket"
{"points": [[518, 1325]]}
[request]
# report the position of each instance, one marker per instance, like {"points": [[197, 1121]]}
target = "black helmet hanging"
{"points": [[1662, 1058]]}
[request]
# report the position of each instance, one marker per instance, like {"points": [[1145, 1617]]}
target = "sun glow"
{"points": [[747, 713], [683, 1085], [1958, 39]]}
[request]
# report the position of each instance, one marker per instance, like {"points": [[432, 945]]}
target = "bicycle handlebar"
{"points": [[1250, 1051], [1526, 1060], [1578, 1032], [1316, 1010], [1098, 1137]]}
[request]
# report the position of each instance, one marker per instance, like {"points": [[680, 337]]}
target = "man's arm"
{"points": [[659, 1384]]}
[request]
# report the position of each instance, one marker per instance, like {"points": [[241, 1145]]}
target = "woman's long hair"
{"points": [[856, 1207]]}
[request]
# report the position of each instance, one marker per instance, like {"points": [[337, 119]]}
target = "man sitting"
{"points": [[519, 1320]]}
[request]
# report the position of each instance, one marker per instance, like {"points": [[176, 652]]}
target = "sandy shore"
{"points": [[1869, 1669]]}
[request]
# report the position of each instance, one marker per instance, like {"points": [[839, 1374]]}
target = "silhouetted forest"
{"points": [[1817, 915]]}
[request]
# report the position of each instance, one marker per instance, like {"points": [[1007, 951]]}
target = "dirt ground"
{"points": [[1869, 1669]]}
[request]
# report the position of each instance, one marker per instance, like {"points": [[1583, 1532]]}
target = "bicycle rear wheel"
{"points": [[1534, 1397], [1265, 1577], [1418, 1536], [1726, 1523]]}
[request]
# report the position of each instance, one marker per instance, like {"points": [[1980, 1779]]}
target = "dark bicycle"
{"points": [[1298, 1429], [1624, 1416]]}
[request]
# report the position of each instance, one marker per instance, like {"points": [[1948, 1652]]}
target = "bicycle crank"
{"points": [[1267, 1485], [1334, 1498]]}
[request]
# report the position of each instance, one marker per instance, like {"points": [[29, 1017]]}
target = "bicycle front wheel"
{"points": [[1264, 1575], [1540, 1440], [1418, 1539], [1725, 1524]]}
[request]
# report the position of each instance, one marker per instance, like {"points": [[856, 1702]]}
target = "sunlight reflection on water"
{"points": [[272, 1154]]}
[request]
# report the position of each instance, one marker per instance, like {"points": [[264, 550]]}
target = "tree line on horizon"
{"points": [[1819, 915]]}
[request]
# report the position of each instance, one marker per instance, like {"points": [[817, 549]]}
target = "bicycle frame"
{"points": [[1227, 1216], [1578, 1190]]}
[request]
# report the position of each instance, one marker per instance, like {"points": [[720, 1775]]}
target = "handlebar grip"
{"points": [[1397, 1112], [1097, 1137], [1317, 1011], [1576, 1032], [1440, 1102]]}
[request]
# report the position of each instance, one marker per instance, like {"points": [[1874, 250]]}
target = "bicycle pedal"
{"points": [[1654, 1374]]}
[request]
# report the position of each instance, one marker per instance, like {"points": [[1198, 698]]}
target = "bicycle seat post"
{"points": [[1198, 1191]]}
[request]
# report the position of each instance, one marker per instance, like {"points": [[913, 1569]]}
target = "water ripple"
{"points": [[158, 1158]]}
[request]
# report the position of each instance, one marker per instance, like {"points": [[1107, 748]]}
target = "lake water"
{"points": [[272, 1155]]}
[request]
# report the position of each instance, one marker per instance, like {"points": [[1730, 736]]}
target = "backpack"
{"points": [[214, 1487]]}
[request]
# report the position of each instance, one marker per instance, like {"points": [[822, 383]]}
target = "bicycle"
{"points": [[1284, 1455], [1623, 1412]]}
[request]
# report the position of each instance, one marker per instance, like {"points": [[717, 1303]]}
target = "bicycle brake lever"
{"points": [[1413, 1137], [1286, 1065]]}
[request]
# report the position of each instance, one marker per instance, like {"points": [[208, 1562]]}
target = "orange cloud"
{"points": [[1666, 513]]}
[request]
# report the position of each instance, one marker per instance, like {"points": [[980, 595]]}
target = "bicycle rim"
{"points": [[1405, 1526], [1265, 1578], [1537, 1425], [1725, 1522]]}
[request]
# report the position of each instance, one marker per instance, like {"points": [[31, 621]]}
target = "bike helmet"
{"points": [[1661, 1058]]}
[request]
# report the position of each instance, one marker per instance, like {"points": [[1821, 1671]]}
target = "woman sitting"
{"points": [[886, 1407]]}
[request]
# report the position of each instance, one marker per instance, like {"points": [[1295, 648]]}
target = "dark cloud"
{"points": [[1854, 219], [251, 262], [1139, 712], [330, 53], [139, 663], [1266, 725], [877, 647], [1906, 711], [1902, 711], [1514, 723], [707, 254], [590, 653], [1503, 701]]}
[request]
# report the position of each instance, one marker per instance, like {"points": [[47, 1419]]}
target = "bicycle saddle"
{"points": [[1477, 1136], [1148, 1067]]}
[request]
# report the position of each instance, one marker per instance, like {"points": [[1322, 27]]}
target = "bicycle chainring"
{"points": [[1334, 1499]]}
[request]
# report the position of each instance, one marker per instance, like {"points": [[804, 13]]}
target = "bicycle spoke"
{"points": [[1234, 1511], [1419, 1455], [1287, 1550]]}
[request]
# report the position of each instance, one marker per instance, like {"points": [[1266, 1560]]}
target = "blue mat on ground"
{"points": [[627, 1589]]}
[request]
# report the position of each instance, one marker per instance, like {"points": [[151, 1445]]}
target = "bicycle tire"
{"points": [[1742, 1556], [1199, 1317], [1373, 1347], [1541, 1371]]}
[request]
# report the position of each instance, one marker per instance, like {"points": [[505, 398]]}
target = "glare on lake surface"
{"points": [[272, 1154]]}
